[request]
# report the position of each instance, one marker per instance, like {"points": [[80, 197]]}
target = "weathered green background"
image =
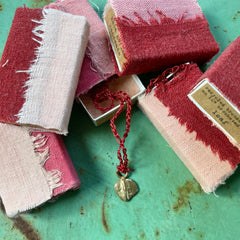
{"points": [[170, 204]]}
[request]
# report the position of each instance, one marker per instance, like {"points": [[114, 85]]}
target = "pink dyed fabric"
{"points": [[60, 160], [97, 65], [147, 9]]}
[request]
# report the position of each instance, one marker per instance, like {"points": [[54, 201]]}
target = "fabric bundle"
{"points": [[35, 167], [97, 65], [200, 143], [40, 67], [150, 35]]}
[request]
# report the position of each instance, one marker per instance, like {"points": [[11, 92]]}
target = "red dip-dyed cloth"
{"points": [[40, 66], [200, 142], [153, 35]]}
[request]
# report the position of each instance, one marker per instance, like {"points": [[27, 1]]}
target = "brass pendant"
{"points": [[125, 188]]}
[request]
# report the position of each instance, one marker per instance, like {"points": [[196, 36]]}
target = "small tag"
{"points": [[113, 33], [218, 109]]}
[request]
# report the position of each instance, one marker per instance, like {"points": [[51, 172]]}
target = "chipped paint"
{"points": [[82, 210], [184, 192], [25, 228], [1, 6], [104, 219], [236, 15]]}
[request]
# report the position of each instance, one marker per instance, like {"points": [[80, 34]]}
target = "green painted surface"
{"points": [[170, 205]]}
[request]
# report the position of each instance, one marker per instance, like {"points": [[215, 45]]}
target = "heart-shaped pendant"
{"points": [[125, 188]]}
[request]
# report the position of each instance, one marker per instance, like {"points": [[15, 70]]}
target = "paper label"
{"points": [[217, 108], [113, 33]]}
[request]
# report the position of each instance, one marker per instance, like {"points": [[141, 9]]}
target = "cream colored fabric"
{"points": [[205, 166], [53, 76], [24, 184]]}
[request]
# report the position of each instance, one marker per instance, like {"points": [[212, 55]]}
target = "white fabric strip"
{"points": [[24, 183], [54, 74]]}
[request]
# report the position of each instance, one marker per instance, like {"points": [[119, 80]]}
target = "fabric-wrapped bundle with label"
{"points": [[149, 35], [35, 167], [199, 116], [40, 67]]}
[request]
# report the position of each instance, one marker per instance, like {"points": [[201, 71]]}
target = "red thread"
{"points": [[123, 97], [167, 75], [174, 95]]}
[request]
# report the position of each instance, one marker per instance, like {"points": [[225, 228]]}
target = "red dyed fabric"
{"points": [[60, 160], [173, 95], [153, 46], [18, 55]]}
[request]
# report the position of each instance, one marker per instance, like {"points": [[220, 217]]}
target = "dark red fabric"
{"points": [[225, 73], [173, 95], [150, 47], [18, 55]]}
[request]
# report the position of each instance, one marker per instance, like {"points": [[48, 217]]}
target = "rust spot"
{"points": [[104, 219], [82, 211], [157, 233], [201, 236], [95, 157], [190, 229], [1, 6], [25, 228], [234, 18], [81, 171], [143, 235], [216, 27], [224, 30], [39, 3], [230, 196], [184, 192], [167, 170]]}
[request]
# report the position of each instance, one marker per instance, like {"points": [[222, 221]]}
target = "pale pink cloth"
{"points": [[35, 167], [205, 165], [99, 66], [147, 8]]}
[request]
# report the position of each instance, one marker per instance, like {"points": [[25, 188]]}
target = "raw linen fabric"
{"points": [[40, 66], [97, 65], [202, 146], [157, 34], [35, 167]]}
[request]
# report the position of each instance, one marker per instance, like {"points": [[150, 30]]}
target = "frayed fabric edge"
{"points": [[221, 181], [53, 177]]}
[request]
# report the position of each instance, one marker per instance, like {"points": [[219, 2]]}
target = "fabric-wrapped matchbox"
{"points": [[35, 167], [199, 116], [40, 66], [149, 35]]}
